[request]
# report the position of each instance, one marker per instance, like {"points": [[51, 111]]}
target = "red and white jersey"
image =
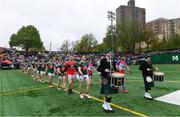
{"points": [[71, 67], [121, 65]]}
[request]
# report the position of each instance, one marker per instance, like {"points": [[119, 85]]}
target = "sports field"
{"points": [[21, 95]]}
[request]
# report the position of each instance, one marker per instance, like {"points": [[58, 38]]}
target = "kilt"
{"points": [[148, 84], [106, 87]]}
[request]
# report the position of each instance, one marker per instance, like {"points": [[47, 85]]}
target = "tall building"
{"points": [[173, 27], [159, 26], [164, 28], [130, 13]]}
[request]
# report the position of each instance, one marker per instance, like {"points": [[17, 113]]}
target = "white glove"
{"points": [[106, 70]]}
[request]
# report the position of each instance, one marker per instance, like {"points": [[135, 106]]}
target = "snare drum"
{"points": [[158, 76], [117, 79]]}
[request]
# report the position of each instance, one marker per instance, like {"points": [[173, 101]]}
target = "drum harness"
{"points": [[111, 69]]}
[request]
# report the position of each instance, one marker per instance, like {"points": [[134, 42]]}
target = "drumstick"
{"points": [[106, 70], [156, 69], [150, 69]]}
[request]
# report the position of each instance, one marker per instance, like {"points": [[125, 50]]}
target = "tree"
{"points": [[100, 47], [110, 41], [149, 37], [14, 40], [86, 44], [128, 35], [67, 46], [27, 37], [131, 34], [174, 41]]}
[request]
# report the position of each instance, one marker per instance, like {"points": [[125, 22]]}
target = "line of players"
{"points": [[65, 70]]}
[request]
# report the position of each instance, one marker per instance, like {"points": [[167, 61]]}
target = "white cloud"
{"points": [[58, 20]]}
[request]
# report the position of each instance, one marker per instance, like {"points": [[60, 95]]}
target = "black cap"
{"points": [[147, 56], [107, 50], [123, 57]]}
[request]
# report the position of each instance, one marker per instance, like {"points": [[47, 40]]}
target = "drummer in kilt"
{"points": [[106, 66], [147, 72]]}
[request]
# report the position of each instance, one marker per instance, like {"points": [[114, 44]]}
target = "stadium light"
{"points": [[111, 17]]}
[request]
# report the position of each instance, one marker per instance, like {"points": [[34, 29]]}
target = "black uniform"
{"points": [[144, 66], [106, 78]]}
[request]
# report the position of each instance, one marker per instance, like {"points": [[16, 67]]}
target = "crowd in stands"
{"points": [[17, 57]]}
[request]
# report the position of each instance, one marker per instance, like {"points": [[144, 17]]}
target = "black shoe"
{"points": [[111, 111], [69, 92], [106, 111], [148, 98]]}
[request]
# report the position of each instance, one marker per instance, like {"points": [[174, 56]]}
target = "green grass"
{"points": [[51, 102]]}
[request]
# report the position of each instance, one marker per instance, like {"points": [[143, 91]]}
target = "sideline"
{"points": [[22, 91]]}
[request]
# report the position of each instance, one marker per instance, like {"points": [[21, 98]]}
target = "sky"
{"points": [[59, 20]]}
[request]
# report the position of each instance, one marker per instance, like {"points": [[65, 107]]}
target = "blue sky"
{"points": [[58, 20]]}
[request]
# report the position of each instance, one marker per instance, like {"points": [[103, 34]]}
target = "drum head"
{"points": [[148, 79], [118, 75], [158, 73]]}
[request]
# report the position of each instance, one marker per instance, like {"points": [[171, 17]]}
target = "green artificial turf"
{"points": [[35, 99]]}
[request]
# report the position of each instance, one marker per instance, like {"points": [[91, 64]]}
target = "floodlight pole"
{"points": [[50, 46], [111, 17]]}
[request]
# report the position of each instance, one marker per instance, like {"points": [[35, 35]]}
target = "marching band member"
{"points": [[147, 73], [121, 66], [106, 67]]}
